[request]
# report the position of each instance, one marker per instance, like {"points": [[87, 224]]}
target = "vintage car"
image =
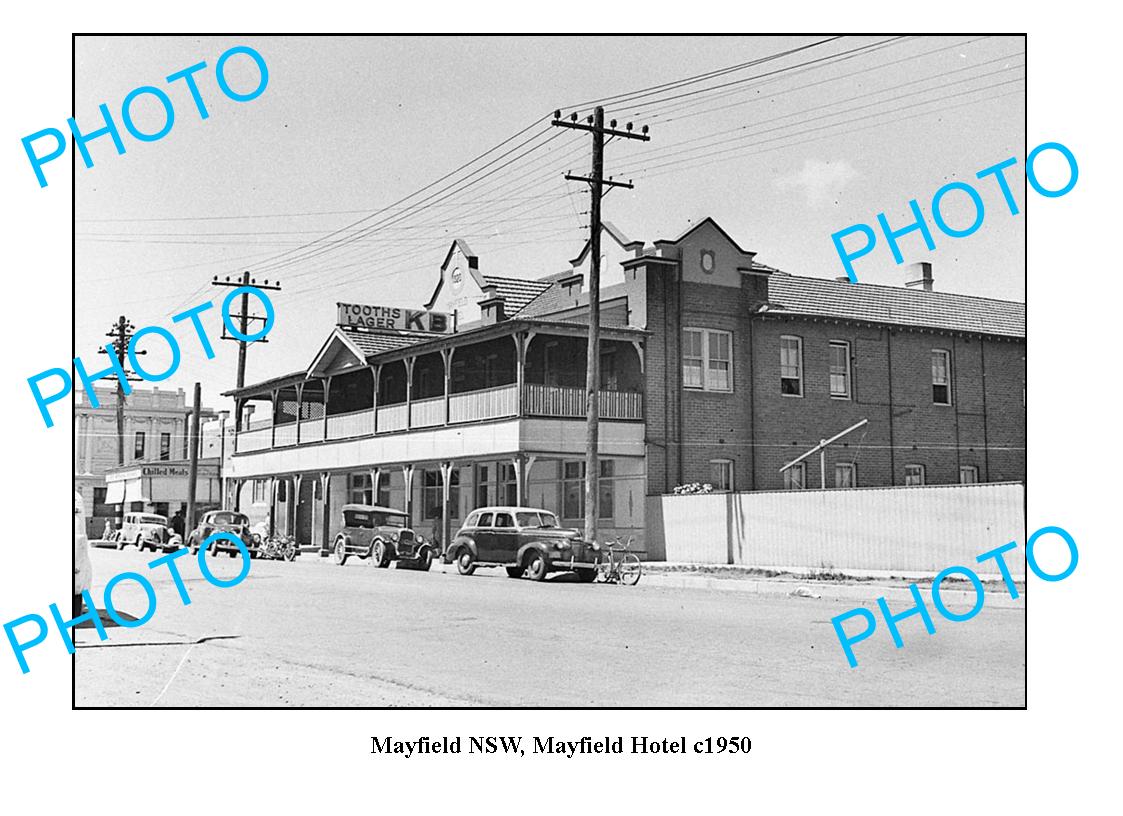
{"points": [[145, 530], [227, 521], [524, 540], [381, 534]]}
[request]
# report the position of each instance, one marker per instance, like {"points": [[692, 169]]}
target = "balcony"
{"points": [[473, 406]]}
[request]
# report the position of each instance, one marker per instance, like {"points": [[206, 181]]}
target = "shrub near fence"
{"points": [[903, 529]]}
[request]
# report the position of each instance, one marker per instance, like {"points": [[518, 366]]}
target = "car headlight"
{"points": [[393, 538], [595, 547], [256, 538], [562, 545]]}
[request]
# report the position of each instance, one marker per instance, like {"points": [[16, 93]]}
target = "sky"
{"points": [[295, 185]]}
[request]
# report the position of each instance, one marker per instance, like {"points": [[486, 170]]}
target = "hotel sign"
{"points": [[356, 315]]}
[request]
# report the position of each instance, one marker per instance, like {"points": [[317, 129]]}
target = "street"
{"points": [[311, 633]]}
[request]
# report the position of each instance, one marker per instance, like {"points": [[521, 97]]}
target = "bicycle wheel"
{"points": [[630, 569]]}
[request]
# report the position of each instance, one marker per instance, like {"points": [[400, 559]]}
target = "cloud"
{"points": [[820, 181]]}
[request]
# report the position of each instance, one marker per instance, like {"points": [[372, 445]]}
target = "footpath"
{"points": [[812, 586]]}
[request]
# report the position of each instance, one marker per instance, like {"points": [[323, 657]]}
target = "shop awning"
{"points": [[134, 491], [114, 492]]}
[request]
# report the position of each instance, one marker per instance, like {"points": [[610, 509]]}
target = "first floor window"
{"points": [[941, 377], [165, 446], [914, 475], [693, 358], [840, 370], [573, 489], [791, 366], [138, 445], [707, 359], [795, 477], [721, 474], [968, 474], [845, 475]]}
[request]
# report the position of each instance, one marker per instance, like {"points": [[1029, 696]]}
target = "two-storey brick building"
{"points": [[715, 368]]}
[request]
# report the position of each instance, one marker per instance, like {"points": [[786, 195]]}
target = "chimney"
{"points": [[919, 276], [491, 311]]}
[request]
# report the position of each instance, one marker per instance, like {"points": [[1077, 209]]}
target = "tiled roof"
{"points": [[552, 299], [516, 292], [372, 343], [895, 304]]}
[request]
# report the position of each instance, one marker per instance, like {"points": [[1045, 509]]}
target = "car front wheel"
{"points": [[536, 567], [465, 562], [379, 555]]}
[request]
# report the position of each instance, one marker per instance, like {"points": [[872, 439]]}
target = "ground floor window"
{"points": [[260, 491], [359, 488], [968, 474], [573, 489], [508, 487], [721, 474], [795, 477], [914, 475], [845, 475], [432, 483]]}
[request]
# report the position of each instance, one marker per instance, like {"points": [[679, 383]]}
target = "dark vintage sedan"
{"points": [[524, 540], [381, 534], [226, 521]]}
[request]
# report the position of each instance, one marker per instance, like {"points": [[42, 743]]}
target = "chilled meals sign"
{"points": [[357, 315]]}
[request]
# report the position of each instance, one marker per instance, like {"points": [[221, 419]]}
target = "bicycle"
{"points": [[625, 569]]}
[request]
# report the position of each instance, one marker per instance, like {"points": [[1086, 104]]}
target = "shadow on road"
{"points": [[157, 642]]}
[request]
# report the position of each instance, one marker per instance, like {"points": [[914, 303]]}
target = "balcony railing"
{"points": [[488, 403], [255, 439], [284, 435], [392, 418], [355, 423], [427, 413], [559, 401], [311, 430]]}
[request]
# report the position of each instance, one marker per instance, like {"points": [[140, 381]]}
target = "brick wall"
{"points": [[760, 429]]}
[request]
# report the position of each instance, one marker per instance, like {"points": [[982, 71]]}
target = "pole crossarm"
{"points": [[823, 445], [605, 182], [609, 131]]}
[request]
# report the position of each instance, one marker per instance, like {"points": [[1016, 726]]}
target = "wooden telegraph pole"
{"points": [[193, 468], [244, 319], [597, 182], [122, 333]]}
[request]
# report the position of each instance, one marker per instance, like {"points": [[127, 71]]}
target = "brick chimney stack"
{"points": [[919, 276]]}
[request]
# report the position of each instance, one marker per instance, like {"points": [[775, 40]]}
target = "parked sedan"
{"points": [[381, 534], [226, 521], [145, 530], [523, 540]]}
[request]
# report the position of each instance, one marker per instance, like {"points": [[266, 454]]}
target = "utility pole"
{"points": [[122, 333], [597, 182], [244, 319], [193, 466]]}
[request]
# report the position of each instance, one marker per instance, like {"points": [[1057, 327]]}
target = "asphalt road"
{"points": [[310, 633]]}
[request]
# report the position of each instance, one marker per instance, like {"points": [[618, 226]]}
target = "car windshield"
{"points": [[387, 520], [151, 520], [536, 519], [229, 518], [357, 518]]}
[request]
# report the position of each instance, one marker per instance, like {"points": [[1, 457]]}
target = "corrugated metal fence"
{"points": [[907, 529]]}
